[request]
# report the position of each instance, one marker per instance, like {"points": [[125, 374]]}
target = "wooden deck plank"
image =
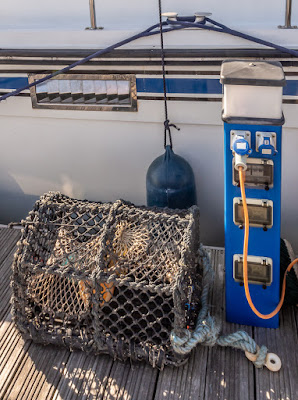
{"points": [[185, 382], [83, 377], [284, 342], [229, 374], [8, 239], [140, 383], [5, 290], [13, 350], [130, 381], [39, 371]]}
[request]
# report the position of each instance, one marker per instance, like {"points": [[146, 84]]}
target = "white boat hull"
{"points": [[103, 155]]}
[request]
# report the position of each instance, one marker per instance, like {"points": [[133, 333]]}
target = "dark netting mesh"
{"points": [[107, 278]]}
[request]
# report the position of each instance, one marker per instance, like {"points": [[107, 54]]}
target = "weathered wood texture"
{"points": [[35, 372]]}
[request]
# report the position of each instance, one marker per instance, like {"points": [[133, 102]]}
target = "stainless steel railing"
{"points": [[93, 16], [288, 17]]}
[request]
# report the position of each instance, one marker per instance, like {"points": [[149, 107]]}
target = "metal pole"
{"points": [[288, 13], [288, 17], [93, 16]]}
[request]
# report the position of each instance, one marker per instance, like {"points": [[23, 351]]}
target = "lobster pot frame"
{"points": [[107, 278]]}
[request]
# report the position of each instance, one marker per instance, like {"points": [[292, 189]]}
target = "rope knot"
{"points": [[167, 125], [179, 341], [167, 132], [211, 331], [261, 357]]}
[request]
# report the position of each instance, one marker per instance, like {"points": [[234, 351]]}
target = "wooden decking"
{"points": [[30, 371]]}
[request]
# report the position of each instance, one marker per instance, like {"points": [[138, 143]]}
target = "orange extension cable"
{"points": [[245, 252]]}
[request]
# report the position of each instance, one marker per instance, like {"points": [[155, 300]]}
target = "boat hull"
{"points": [[104, 155]]}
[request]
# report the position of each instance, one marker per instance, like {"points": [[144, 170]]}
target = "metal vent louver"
{"points": [[85, 92]]}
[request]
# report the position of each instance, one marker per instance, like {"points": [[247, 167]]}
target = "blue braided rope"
{"points": [[152, 30], [217, 27]]}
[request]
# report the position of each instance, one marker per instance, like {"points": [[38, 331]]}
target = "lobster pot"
{"points": [[107, 278]]}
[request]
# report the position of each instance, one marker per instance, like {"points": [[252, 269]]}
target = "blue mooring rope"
{"points": [[170, 26]]}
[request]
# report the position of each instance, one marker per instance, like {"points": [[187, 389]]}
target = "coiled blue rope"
{"points": [[167, 26]]}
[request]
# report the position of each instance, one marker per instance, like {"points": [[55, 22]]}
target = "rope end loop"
{"points": [[271, 360], [175, 126]]}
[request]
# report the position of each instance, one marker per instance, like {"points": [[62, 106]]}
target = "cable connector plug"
{"points": [[241, 149]]}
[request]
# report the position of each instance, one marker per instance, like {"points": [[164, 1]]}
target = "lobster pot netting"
{"points": [[107, 278]]}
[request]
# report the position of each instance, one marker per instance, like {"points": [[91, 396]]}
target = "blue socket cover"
{"points": [[241, 146], [266, 148]]}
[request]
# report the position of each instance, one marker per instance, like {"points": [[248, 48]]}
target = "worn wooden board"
{"points": [[99, 377], [12, 346], [284, 342], [229, 374], [83, 377], [8, 239], [130, 381], [38, 373], [206, 374], [5, 290], [186, 382], [12, 351]]}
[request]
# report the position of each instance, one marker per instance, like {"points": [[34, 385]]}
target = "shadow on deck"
{"points": [[31, 371]]}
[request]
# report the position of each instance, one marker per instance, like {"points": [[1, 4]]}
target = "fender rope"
{"points": [[207, 330], [167, 124]]}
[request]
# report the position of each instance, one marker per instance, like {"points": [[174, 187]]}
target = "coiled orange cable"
{"points": [[245, 252]]}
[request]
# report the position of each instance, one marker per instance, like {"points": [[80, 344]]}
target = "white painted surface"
{"points": [[79, 39], [105, 156], [61, 24], [133, 14]]}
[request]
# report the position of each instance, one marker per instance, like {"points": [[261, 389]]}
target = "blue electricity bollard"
{"points": [[253, 117]]}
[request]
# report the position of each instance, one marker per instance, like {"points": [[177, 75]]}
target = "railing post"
{"points": [[288, 17], [93, 16]]}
